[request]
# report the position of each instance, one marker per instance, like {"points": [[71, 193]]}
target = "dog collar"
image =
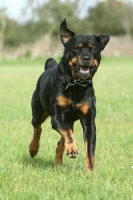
{"points": [[70, 81], [80, 82]]}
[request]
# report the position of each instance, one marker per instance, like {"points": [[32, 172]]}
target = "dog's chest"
{"points": [[75, 104]]}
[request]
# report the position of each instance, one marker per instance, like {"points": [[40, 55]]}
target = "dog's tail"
{"points": [[49, 63]]}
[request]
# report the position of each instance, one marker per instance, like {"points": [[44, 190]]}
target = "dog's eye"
{"points": [[93, 50], [77, 49]]}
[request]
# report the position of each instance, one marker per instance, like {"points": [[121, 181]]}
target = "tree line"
{"points": [[111, 17]]}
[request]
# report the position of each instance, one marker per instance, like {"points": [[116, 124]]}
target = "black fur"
{"points": [[65, 92]]}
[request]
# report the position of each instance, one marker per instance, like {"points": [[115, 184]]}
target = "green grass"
{"points": [[24, 178]]}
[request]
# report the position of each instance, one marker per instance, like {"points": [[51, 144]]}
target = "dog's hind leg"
{"points": [[59, 152], [34, 145], [39, 116]]}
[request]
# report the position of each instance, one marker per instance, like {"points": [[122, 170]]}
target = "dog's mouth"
{"points": [[84, 69]]}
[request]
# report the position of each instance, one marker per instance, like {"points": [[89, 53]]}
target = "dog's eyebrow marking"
{"points": [[83, 107], [80, 45], [63, 101], [90, 45]]}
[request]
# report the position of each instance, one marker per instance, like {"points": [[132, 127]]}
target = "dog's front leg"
{"points": [[88, 123], [67, 141]]}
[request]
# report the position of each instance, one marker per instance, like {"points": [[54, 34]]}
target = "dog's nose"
{"points": [[86, 58]]}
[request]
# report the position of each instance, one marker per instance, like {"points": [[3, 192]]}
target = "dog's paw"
{"points": [[33, 150], [71, 149]]}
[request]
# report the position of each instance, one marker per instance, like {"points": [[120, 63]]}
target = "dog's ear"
{"points": [[65, 33], [103, 40]]}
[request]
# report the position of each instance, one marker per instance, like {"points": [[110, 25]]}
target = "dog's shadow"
{"points": [[37, 162]]}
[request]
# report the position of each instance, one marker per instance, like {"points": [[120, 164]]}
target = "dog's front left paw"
{"points": [[33, 149], [71, 149]]}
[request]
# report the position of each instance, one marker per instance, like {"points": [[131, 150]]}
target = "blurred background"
{"points": [[30, 28]]}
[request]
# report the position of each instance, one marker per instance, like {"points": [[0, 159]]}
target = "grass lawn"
{"points": [[25, 178]]}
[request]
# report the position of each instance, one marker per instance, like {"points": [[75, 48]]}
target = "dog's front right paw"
{"points": [[71, 149]]}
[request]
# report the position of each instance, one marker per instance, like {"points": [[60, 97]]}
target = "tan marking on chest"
{"points": [[83, 107], [63, 101]]}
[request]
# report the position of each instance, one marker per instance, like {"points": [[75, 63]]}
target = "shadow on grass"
{"points": [[37, 162]]}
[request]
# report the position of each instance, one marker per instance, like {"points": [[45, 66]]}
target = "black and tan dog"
{"points": [[65, 92]]}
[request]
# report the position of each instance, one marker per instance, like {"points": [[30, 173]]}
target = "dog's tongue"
{"points": [[84, 70]]}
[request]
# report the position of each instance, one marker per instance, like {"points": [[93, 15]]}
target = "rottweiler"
{"points": [[65, 92]]}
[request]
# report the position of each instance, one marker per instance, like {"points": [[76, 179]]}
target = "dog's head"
{"points": [[82, 52]]}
